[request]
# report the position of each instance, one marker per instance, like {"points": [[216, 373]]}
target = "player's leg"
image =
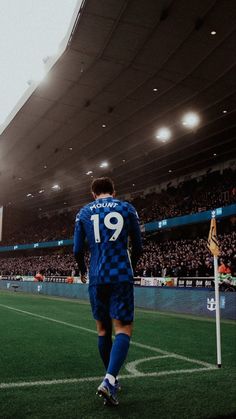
{"points": [[122, 311], [99, 296], [120, 348], [123, 327], [104, 329]]}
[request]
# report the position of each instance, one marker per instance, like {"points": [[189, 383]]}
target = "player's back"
{"points": [[107, 223]]}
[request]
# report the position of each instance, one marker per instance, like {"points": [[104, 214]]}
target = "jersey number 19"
{"points": [[116, 227]]}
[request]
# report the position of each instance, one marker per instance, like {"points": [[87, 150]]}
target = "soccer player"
{"points": [[108, 223]]}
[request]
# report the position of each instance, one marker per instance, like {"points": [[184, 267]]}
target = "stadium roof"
{"points": [[130, 68]]}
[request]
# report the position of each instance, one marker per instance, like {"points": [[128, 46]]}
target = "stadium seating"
{"points": [[208, 192], [165, 258]]}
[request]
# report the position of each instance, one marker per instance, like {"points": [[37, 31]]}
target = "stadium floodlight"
{"points": [[191, 120], [163, 134], [103, 164], [56, 187]]}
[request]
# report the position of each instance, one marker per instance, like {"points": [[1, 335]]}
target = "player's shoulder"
{"points": [[82, 212], [129, 207]]}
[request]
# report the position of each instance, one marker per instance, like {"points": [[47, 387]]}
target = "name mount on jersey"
{"points": [[103, 205]]}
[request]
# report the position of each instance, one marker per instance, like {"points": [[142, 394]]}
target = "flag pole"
{"points": [[217, 302], [213, 246]]}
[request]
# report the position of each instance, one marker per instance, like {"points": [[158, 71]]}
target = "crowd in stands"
{"points": [[57, 227], [178, 258], [199, 194], [48, 265], [211, 191], [160, 258], [181, 258]]}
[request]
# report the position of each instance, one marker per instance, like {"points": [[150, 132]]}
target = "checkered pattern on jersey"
{"points": [[109, 262], [113, 265], [114, 301]]}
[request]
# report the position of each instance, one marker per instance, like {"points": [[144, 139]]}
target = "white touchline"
{"points": [[90, 379], [139, 345]]}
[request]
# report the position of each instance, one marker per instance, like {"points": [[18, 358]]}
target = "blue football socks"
{"points": [[118, 354], [104, 347]]}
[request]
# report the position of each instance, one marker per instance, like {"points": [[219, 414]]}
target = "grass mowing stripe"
{"points": [[140, 345]]}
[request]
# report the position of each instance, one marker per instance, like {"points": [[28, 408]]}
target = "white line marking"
{"points": [[139, 345], [131, 366], [90, 379], [173, 354], [50, 319]]}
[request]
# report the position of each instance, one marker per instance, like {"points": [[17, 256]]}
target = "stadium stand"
{"points": [[160, 258], [183, 257], [200, 194], [210, 191]]}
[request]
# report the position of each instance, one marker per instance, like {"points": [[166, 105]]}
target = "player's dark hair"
{"points": [[102, 185]]}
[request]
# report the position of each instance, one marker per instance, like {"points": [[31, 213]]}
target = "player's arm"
{"points": [[135, 236], [79, 247]]}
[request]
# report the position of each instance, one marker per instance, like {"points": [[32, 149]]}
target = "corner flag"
{"points": [[212, 242], [213, 246]]}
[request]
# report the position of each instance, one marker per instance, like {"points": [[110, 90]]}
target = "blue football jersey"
{"points": [[107, 224]]}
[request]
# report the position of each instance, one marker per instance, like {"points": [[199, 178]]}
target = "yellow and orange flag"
{"points": [[212, 242]]}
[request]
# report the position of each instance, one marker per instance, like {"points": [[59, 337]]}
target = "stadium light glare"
{"points": [[190, 120], [40, 35], [103, 164], [163, 134], [56, 187]]}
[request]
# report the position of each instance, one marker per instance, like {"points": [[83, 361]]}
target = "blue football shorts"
{"points": [[113, 301]]}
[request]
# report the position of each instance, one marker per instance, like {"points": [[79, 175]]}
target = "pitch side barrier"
{"points": [[199, 217], [197, 301], [173, 282], [180, 282]]}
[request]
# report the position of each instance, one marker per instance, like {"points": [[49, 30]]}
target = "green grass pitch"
{"points": [[50, 367]]}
